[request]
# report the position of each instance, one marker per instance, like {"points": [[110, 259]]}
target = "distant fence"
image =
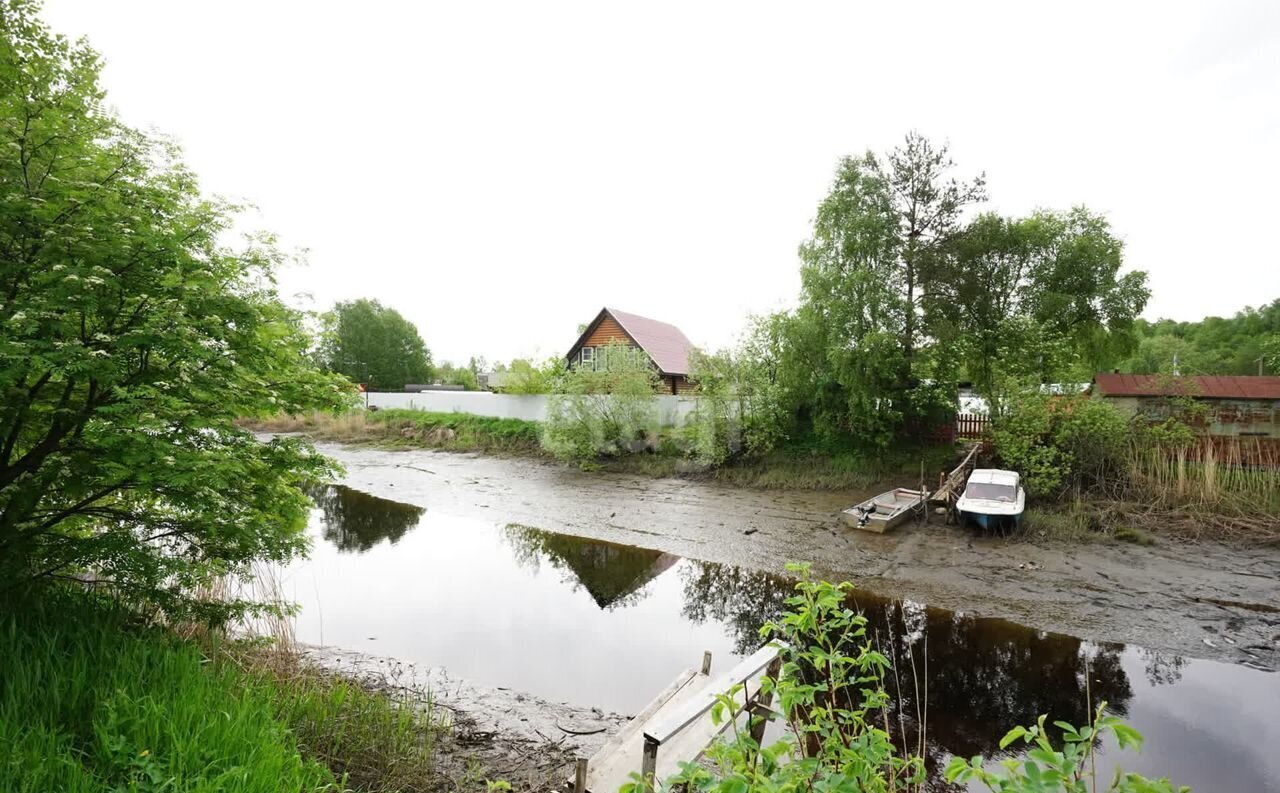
{"points": [[963, 426], [672, 410], [972, 426]]}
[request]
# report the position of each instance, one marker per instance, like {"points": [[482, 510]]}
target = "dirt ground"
{"points": [[495, 733], [1200, 600]]}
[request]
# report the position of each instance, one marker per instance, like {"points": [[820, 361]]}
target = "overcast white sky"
{"points": [[499, 171]]}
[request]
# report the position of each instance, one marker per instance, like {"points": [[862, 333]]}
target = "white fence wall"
{"points": [[672, 410]]}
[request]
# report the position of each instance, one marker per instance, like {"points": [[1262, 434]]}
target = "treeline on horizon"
{"points": [[1233, 345]]}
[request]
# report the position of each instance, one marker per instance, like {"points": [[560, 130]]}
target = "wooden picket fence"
{"points": [[962, 426], [972, 426]]}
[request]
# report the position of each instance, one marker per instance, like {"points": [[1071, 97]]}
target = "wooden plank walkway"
{"points": [[675, 727], [953, 485]]}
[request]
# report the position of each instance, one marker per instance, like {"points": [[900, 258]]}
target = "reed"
{"points": [[1237, 475]]}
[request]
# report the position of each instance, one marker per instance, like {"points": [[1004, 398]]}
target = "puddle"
{"points": [[598, 624]]}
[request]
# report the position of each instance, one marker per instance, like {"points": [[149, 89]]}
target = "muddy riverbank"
{"points": [[1195, 599], [495, 733]]}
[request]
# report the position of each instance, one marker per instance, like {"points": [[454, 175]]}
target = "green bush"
{"points": [[1059, 443], [738, 410], [603, 411]]}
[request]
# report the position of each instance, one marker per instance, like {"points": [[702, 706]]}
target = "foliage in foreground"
{"points": [[90, 700], [829, 694], [132, 340], [87, 704]]}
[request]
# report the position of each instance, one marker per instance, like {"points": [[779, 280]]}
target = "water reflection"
{"points": [[602, 624], [614, 575], [354, 522], [740, 600], [976, 676]]}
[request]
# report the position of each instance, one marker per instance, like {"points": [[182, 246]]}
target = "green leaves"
{"points": [[1042, 769], [371, 343], [603, 411], [133, 340]]}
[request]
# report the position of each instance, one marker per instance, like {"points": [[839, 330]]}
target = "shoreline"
{"points": [[526, 740], [1197, 599]]}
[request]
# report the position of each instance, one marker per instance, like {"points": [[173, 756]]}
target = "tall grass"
{"points": [[1239, 475], [89, 702], [92, 700]]}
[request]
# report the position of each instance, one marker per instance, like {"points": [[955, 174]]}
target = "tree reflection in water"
{"points": [[976, 677], [354, 522], [614, 575]]}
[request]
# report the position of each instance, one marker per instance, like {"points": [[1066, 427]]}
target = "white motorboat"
{"points": [[993, 498]]}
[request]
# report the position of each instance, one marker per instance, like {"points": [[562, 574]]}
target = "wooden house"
{"points": [[665, 345], [1239, 406]]}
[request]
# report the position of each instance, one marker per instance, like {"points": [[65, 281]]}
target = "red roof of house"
{"points": [[1208, 387], [665, 343]]}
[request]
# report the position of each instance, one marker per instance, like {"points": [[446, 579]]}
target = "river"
{"points": [[596, 623]]}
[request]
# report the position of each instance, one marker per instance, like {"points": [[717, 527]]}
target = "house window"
{"points": [[589, 357]]}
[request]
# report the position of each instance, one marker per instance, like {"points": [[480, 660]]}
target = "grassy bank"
{"points": [[801, 464], [799, 468], [91, 700], [457, 432]]}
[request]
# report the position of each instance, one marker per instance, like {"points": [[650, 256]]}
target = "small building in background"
{"points": [[1235, 406], [664, 344]]}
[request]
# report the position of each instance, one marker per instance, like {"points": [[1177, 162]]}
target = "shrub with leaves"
{"points": [[1070, 769], [738, 409], [1060, 442], [603, 410]]}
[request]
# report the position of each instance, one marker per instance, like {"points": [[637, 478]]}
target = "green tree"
{"points": [[448, 374], [1036, 299], [1235, 345], [926, 202], [133, 339], [523, 376], [371, 343], [860, 354]]}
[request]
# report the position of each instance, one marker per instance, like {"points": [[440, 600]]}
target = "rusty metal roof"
{"points": [[1207, 387]]}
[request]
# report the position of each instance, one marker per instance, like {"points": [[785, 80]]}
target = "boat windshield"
{"points": [[991, 492]]}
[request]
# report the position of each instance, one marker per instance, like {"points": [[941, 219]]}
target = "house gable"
{"points": [[603, 331]]}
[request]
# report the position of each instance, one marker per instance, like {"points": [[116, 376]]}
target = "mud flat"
{"points": [[1202, 600], [496, 733]]}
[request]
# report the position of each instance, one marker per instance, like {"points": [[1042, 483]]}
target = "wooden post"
{"points": [[580, 776], [649, 763], [763, 701], [706, 662]]}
